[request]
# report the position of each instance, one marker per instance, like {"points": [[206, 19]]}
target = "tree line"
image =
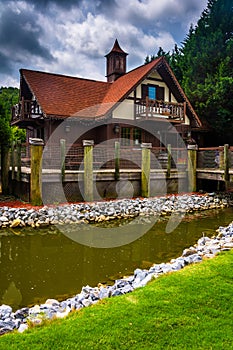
{"points": [[8, 97], [204, 67]]}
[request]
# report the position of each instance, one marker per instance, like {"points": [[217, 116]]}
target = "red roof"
{"points": [[60, 95], [65, 96]]}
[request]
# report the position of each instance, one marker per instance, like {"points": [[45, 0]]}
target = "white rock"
{"points": [[22, 328]]}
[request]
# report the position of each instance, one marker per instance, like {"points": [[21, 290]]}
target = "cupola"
{"points": [[116, 62]]}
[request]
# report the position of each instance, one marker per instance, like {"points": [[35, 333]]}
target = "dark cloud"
{"points": [[5, 65], [19, 36], [32, 31], [105, 6], [60, 3]]}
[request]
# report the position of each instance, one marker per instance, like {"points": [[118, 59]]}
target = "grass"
{"points": [[188, 309]]}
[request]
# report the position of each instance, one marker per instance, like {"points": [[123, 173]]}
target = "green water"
{"points": [[45, 263]]}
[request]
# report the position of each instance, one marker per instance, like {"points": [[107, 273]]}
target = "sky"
{"points": [[71, 37]]}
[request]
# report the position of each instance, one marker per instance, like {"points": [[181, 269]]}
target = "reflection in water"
{"points": [[12, 295], [44, 263]]}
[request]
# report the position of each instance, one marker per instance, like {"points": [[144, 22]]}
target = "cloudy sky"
{"points": [[72, 36]]}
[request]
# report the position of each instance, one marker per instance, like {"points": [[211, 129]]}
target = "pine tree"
{"points": [[204, 67]]}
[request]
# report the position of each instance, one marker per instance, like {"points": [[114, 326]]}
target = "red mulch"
{"points": [[12, 202]]}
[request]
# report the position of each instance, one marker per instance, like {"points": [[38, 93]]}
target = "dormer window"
{"points": [[153, 92]]}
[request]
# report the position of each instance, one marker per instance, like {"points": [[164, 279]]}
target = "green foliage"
{"points": [[8, 97], [18, 134], [204, 67]]}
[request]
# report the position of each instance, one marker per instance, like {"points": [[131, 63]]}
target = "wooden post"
{"points": [[88, 170], [13, 160], [147, 106], [36, 170], [145, 171], [184, 111], [18, 160], [221, 157], [169, 159], [226, 165], [192, 168], [5, 168], [117, 160], [63, 156]]}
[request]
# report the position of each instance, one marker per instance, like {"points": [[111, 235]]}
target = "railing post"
{"points": [[145, 171], [36, 170], [62, 157], [184, 112], [169, 159], [226, 165], [18, 160], [192, 168], [147, 106], [117, 160], [88, 170], [221, 157]]}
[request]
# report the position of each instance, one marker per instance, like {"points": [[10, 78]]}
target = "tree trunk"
{"points": [[5, 169]]}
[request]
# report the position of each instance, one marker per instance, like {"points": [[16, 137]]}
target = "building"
{"points": [[145, 104]]}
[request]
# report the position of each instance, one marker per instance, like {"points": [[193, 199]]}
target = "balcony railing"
{"points": [[25, 110], [160, 109]]}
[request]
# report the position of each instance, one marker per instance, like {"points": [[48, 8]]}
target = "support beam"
{"points": [[88, 170], [192, 168], [145, 172], [169, 160], [36, 146], [117, 160], [226, 166], [63, 156]]}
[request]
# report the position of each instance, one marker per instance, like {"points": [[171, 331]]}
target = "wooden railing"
{"points": [[130, 157], [26, 109], [146, 108]]}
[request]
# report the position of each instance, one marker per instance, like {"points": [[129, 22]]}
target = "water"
{"points": [[39, 264]]}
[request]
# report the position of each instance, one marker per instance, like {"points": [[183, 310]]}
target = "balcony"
{"points": [[25, 112], [151, 109]]}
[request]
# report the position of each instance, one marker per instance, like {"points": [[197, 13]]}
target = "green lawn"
{"points": [[189, 309]]}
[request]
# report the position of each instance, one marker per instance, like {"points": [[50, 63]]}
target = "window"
{"points": [[153, 92], [137, 136], [131, 136], [125, 136]]}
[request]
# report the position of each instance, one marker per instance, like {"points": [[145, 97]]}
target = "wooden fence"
{"points": [[75, 158]]}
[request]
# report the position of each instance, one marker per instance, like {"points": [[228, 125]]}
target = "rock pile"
{"points": [[204, 248], [110, 210]]}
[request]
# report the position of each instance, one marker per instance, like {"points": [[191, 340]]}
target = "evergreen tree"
{"points": [[204, 67], [8, 97]]}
